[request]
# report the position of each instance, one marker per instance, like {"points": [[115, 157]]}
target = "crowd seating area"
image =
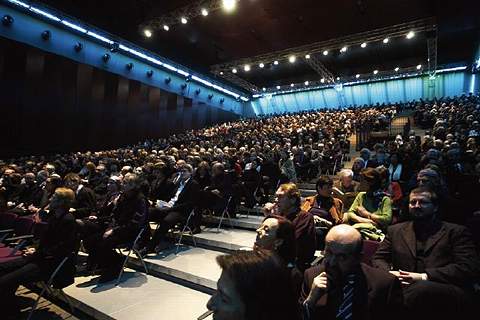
{"points": [[149, 196]]}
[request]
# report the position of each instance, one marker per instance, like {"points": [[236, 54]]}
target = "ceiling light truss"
{"points": [[250, 87], [377, 35], [432, 55], [189, 12], [320, 68]]}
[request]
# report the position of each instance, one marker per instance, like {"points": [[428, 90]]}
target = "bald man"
{"points": [[341, 287]]}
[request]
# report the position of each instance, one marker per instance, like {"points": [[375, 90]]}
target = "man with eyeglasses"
{"points": [[435, 261]]}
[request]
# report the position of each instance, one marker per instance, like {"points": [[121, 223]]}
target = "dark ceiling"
{"points": [[263, 26]]}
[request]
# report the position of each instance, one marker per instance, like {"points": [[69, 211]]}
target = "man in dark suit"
{"points": [[85, 203], [342, 287], [435, 260], [182, 201]]}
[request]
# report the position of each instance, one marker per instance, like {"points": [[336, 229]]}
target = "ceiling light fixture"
{"points": [[307, 56], [147, 33], [325, 52], [410, 35], [344, 49], [396, 69], [229, 5], [307, 83], [292, 59], [386, 40], [363, 45], [275, 62], [278, 87], [261, 65], [165, 27], [246, 68], [419, 67], [357, 76], [204, 12], [234, 70], [322, 80], [375, 71], [183, 20]]}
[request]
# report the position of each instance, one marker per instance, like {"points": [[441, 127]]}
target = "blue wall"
{"points": [[400, 90], [27, 29]]}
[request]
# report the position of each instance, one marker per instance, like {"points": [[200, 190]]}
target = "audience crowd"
{"points": [[413, 197]]}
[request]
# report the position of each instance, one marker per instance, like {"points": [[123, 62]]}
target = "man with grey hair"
{"points": [[183, 199], [342, 287], [345, 188]]}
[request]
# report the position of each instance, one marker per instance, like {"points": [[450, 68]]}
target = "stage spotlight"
{"points": [[246, 68], [129, 66], [264, 89], [410, 35], [278, 87], [363, 45], [357, 76], [275, 62], [114, 47], [204, 12], [307, 56], [46, 35], [307, 83], [229, 5], [419, 67], [375, 71], [292, 59], [183, 20], [396, 69], [78, 47], [322, 80], [7, 20], [344, 49], [386, 40], [165, 27], [261, 65], [234, 70], [325, 52], [149, 73], [168, 80], [147, 33], [210, 96], [106, 57], [292, 85], [197, 92]]}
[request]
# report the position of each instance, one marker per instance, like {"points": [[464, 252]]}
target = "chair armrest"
{"points": [[25, 237]]}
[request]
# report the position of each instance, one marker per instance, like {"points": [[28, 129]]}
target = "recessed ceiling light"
{"points": [[234, 70], [204, 12], [246, 67], [165, 27], [307, 83], [419, 67], [183, 20], [307, 56], [261, 65], [357, 76], [322, 80], [325, 52], [147, 33], [375, 71], [363, 45], [278, 87], [292, 59], [386, 40], [344, 49], [396, 69], [410, 35], [275, 62]]}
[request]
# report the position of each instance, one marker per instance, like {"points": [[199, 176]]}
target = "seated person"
{"points": [[277, 233], [183, 200], [326, 210], [161, 187], [288, 205], [245, 293], [220, 189], [342, 287], [57, 242], [371, 212], [345, 188], [435, 261], [129, 212], [85, 200]]}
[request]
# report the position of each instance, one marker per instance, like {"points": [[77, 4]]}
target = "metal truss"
{"points": [[320, 68], [250, 87], [432, 53], [398, 30], [189, 12]]}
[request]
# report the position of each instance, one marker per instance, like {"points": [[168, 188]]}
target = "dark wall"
{"points": [[53, 104]]}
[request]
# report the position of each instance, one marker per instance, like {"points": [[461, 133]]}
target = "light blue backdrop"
{"points": [[401, 90]]}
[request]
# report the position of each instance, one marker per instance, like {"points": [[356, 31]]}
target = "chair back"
{"points": [[7, 220], [23, 226], [369, 249]]}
